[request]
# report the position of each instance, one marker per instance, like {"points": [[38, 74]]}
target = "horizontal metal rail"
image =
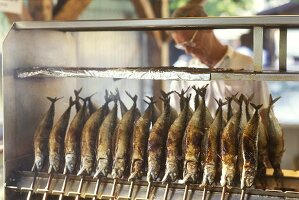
{"points": [[164, 24]]}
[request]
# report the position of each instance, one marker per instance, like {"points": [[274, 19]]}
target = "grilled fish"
{"points": [[195, 131], [77, 98], [41, 136], [276, 138], [140, 138], [123, 140], [157, 138], [104, 146], [56, 138], [73, 138], [174, 141], [212, 147], [250, 149], [89, 136], [229, 147]]}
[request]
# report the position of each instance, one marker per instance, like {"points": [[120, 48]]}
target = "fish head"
{"points": [[102, 168], [171, 172], [54, 162], [227, 175], [70, 162], [118, 168], [137, 166], [210, 172], [249, 176], [191, 172], [39, 161], [153, 172], [87, 163]]}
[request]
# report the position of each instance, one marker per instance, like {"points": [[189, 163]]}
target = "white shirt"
{"points": [[223, 88]]}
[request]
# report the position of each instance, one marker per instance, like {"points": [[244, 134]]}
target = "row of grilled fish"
{"points": [[181, 145]]}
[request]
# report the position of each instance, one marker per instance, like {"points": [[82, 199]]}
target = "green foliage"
{"points": [[218, 7]]}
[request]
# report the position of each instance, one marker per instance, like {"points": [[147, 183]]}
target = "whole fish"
{"points": [[89, 136], [212, 147], [140, 138], [56, 138], [250, 149], [276, 138], [123, 140], [77, 98], [41, 136], [104, 146], [157, 138], [195, 132], [229, 147], [174, 141], [73, 138]]}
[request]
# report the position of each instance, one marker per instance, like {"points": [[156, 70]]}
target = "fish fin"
{"points": [[257, 107], [53, 100], [272, 101]]}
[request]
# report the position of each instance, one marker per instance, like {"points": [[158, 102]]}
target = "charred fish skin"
{"points": [[229, 147], [41, 136], [104, 146], [123, 140], [174, 141], [77, 98], [212, 146], [250, 149], [73, 138], [140, 138], [56, 138], [89, 136], [276, 139], [157, 138], [195, 132]]}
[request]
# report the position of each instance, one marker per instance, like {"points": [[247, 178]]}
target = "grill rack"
{"points": [[102, 188]]}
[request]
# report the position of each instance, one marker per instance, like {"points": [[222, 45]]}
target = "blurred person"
{"points": [[207, 51]]}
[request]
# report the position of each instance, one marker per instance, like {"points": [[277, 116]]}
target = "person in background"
{"points": [[207, 51]]}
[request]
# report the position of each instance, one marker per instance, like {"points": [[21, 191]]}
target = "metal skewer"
{"points": [[166, 191], [204, 194], [63, 187], [243, 194], [78, 193], [147, 192], [95, 192], [46, 190], [223, 192], [186, 192], [111, 196], [30, 189], [130, 191]]}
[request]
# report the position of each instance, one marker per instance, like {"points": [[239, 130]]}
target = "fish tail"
{"points": [[272, 101], [250, 97], [133, 98], [53, 100], [151, 102], [256, 107], [77, 92], [203, 90], [240, 100], [220, 102], [71, 102]]}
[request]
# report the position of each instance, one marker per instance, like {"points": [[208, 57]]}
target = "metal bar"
{"points": [[204, 193], [223, 192], [129, 193], [61, 192], [186, 192], [283, 49], [111, 196], [258, 48], [243, 194], [46, 189], [166, 192], [30, 189], [159, 24]]}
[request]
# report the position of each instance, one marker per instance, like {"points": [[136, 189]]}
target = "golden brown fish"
{"points": [[157, 138], [89, 136], [73, 138], [212, 147], [276, 138], [140, 138], [123, 140], [41, 136], [250, 149], [56, 138], [229, 147], [175, 139], [195, 131]]}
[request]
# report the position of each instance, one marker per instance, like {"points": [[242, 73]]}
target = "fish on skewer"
{"points": [[174, 141], [229, 147], [140, 138], [123, 140], [157, 138], [41, 136], [276, 138], [104, 146], [195, 131], [250, 149], [73, 138], [89, 136], [77, 98], [212, 147], [56, 138]]}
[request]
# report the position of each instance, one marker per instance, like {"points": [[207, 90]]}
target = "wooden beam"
{"points": [[41, 10], [144, 9], [71, 10]]}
